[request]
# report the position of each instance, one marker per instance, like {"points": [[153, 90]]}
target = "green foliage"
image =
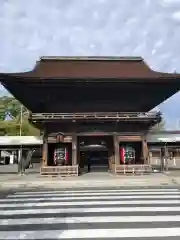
{"points": [[159, 126], [13, 108], [28, 129]]}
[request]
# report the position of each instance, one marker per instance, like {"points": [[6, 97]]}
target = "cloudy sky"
{"points": [[147, 28]]}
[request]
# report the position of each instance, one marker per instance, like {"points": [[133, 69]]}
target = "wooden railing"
{"points": [[63, 171], [132, 169], [95, 115]]}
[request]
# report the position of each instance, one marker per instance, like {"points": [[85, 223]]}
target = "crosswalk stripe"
{"points": [[89, 210], [92, 233], [90, 194], [99, 190], [77, 220], [92, 198], [91, 214], [43, 204]]}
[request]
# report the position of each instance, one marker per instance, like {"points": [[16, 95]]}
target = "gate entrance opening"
{"points": [[131, 152], [95, 152]]}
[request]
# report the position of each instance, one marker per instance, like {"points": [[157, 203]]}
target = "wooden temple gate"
{"points": [[115, 166], [142, 167], [74, 94]]}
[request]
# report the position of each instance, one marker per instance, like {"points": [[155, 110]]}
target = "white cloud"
{"points": [[176, 16], [29, 29], [170, 2]]}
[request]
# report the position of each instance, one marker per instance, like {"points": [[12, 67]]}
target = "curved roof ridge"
{"points": [[92, 67], [92, 58]]}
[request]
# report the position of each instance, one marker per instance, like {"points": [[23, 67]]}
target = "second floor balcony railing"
{"points": [[95, 116]]}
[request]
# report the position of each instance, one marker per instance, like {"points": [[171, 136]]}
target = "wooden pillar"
{"points": [[116, 150], [78, 154], [45, 148], [74, 149], [111, 160], [166, 150], [145, 150], [20, 161]]}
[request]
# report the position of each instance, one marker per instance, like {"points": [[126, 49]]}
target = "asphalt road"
{"points": [[120, 213]]}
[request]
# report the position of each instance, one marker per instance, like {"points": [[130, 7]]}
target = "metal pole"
{"points": [[20, 159], [21, 120], [162, 158]]}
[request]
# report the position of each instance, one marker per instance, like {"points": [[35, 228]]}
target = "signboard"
{"points": [[65, 139], [51, 139], [68, 139], [94, 134], [129, 138]]}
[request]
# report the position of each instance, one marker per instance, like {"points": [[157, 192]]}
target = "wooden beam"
{"points": [[116, 150], [96, 116], [45, 148], [145, 150]]}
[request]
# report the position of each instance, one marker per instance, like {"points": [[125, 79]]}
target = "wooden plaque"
{"points": [[129, 138]]}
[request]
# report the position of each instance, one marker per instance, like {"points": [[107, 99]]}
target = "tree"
{"points": [[11, 125], [28, 129], [9, 106], [159, 126]]}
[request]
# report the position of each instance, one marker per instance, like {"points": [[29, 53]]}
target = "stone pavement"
{"points": [[87, 180], [174, 175]]}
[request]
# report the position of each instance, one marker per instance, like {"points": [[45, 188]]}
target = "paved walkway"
{"points": [[174, 175], [99, 179], [87, 180]]}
